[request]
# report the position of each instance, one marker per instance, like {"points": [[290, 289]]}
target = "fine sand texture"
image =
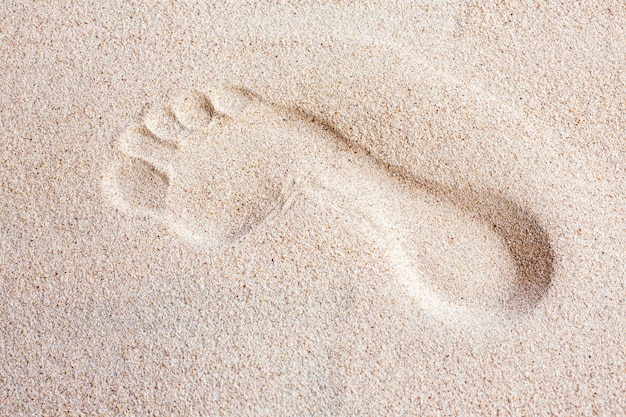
{"points": [[313, 208]]}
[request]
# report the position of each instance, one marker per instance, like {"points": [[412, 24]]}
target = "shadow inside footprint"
{"points": [[525, 239]]}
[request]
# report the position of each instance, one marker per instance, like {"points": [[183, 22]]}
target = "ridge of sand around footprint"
{"points": [[214, 167]]}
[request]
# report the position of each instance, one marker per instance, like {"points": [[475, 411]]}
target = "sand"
{"points": [[309, 209]]}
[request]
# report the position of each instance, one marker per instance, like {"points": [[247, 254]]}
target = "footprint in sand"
{"points": [[216, 166]]}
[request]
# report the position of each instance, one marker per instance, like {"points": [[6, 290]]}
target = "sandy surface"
{"points": [[328, 209]]}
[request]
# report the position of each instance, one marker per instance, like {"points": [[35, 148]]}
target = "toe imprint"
{"points": [[229, 101], [141, 143], [193, 110], [164, 125], [141, 184]]}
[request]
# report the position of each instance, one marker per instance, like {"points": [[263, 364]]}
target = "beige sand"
{"points": [[321, 209]]}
